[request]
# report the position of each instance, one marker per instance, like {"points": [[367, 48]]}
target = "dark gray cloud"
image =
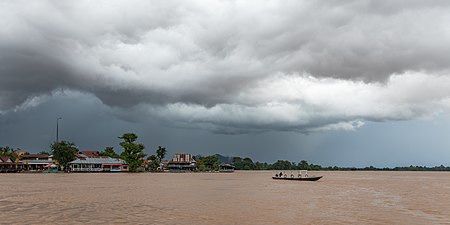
{"points": [[233, 66], [93, 126]]}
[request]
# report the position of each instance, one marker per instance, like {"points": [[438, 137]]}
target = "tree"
{"points": [[44, 153], [261, 166], [283, 165], [303, 165], [10, 152], [211, 162], [132, 153], [161, 153], [154, 162], [248, 164], [64, 152], [201, 166], [237, 161], [315, 167], [109, 151]]}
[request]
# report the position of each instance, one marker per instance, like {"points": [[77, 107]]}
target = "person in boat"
{"points": [[281, 174]]}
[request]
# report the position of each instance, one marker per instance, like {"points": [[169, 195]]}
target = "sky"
{"points": [[347, 83]]}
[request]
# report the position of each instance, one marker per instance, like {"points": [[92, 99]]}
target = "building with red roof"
{"points": [[182, 163], [7, 165]]}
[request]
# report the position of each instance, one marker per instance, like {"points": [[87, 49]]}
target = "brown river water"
{"points": [[235, 198]]}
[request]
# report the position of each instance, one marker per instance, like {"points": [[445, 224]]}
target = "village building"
{"points": [[9, 166], [36, 162], [182, 163], [98, 164], [34, 157]]}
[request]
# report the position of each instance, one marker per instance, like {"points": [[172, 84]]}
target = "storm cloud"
{"points": [[233, 66]]}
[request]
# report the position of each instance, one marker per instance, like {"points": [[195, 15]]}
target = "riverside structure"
{"points": [[103, 164]]}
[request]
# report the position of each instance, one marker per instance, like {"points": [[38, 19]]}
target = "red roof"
{"points": [[90, 154], [40, 156], [5, 159]]}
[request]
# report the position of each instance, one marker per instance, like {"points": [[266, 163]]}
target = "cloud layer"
{"points": [[233, 66]]}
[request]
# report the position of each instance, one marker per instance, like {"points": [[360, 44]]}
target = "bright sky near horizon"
{"points": [[350, 83]]}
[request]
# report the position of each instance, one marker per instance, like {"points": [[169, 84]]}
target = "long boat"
{"points": [[302, 176], [298, 178]]}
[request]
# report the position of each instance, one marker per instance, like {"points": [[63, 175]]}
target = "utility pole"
{"points": [[57, 129]]}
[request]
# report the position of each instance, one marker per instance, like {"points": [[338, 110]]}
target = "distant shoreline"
{"points": [[214, 172]]}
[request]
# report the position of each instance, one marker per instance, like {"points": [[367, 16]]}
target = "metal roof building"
{"points": [[104, 164], [98, 161]]}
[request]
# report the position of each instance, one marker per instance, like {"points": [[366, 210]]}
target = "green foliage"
{"points": [[132, 153], [7, 151], [262, 166], [247, 164], [109, 151], [161, 153], [129, 137], [243, 164], [283, 165], [303, 165], [44, 153], [237, 161], [152, 158], [201, 166], [154, 162], [209, 163], [64, 152]]}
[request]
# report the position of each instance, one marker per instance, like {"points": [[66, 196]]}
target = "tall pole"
{"points": [[57, 129]]}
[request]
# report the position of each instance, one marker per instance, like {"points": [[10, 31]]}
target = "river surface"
{"points": [[236, 198]]}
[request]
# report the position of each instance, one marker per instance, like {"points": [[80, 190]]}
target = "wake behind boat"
{"points": [[302, 176]]}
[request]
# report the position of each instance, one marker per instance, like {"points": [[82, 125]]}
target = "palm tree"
{"points": [[10, 152]]}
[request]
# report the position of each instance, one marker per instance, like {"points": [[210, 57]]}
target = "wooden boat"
{"points": [[302, 176], [298, 178]]}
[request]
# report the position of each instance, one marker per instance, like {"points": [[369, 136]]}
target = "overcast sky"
{"points": [[350, 83]]}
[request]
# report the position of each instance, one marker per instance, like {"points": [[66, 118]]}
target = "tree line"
{"points": [[65, 152], [248, 164], [133, 153]]}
